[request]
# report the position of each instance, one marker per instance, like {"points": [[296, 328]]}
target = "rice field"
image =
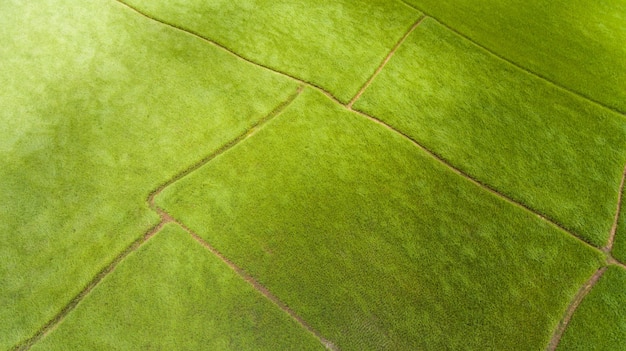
{"points": [[295, 175]]}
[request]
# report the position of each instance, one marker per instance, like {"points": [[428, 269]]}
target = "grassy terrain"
{"points": [[108, 105], [576, 43], [171, 295], [599, 322], [336, 45], [619, 250], [348, 222], [546, 148], [347, 226]]}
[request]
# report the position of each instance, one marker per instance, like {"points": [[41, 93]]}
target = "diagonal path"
{"points": [[609, 246], [56, 320], [578, 298], [260, 288], [165, 218], [588, 286], [538, 75], [382, 65], [353, 100]]}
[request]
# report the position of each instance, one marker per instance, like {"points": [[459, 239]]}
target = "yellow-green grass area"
{"points": [[333, 44], [100, 106], [551, 150], [578, 44], [173, 294], [599, 322], [377, 244]]}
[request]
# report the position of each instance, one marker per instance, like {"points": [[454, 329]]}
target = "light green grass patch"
{"points": [[576, 43], [99, 107], [376, 244], [539, 145], [333, 44], [173, 294], [599, 322]]}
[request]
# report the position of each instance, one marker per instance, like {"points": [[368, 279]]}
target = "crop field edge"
{"points": [[166, 218], [527, 70]]}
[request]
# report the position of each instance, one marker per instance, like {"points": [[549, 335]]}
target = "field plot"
{"points": [[295, 175], [504, 127], [336, 45], [348, 223], [599, 323], [171, 295], [576, 43], [107, 107]]}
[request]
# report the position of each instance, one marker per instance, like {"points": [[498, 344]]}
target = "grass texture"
{"points": [[336, 45], [599, 323], [99, 107], [542, 146], [376, 244], [619, 248], [576, 43], [172, 295]]}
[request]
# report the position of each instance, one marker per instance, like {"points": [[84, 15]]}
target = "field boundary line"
{"points": [[474, 180], [260, 288], [229, 145], [165, 218], [519, 66], [223, 47], [59, 317], [385, 60], [569, 312], [335, 99], [609, 246]]}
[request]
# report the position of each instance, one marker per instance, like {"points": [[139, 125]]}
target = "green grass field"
{"points": [[294, 175]]}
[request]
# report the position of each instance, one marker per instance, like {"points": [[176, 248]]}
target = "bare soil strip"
{"points": [[246, 134], [578, 298], [260, 288], [609, 246], [538, 75], [382, 65], [56, 320]]}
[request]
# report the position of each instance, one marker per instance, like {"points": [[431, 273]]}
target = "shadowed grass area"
{"points": [[546, 148], [599, 322], [376, 244], [576, 43], [334, 44], [99, 107], [172, 294]]}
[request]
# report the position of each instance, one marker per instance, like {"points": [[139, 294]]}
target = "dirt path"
{"points": [[578, 298], [165, 218], [260, 288], [384, 63], [56, 320], [609, 246], [527, 70]]}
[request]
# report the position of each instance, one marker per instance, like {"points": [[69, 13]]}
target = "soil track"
{"points": [[578, 298]]}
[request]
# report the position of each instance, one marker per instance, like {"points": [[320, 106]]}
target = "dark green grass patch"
{"points": [[376, 244], [576, 43], [544, 147], [172, 294], [98, 107], [334, 44], [599, 322]]}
